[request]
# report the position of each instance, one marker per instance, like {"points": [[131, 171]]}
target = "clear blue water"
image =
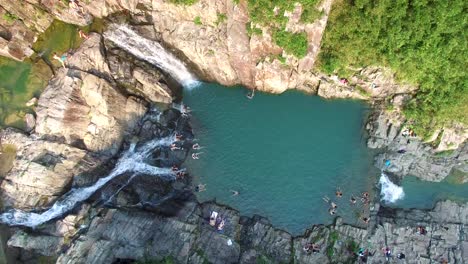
{"points": [[283, 153], [423, 194]]}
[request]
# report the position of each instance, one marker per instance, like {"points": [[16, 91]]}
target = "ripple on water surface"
{"points": [[283, 153]]}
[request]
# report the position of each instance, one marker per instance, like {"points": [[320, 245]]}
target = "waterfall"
{"points": [[151, 51], [390, 192], [131, 161]]}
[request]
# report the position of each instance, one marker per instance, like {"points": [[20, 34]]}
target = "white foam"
{"points": [[390, 192], [131, 161], [151, 51]]}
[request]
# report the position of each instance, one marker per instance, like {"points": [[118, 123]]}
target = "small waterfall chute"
{"points": [[151, 51], [389, 191], [131, 161]]}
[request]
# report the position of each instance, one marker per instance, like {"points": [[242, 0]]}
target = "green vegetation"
{"points": [[252, 30], [310, 15], [221, 18], [197, 20], [236, 2], [184, 2], [295, 44], [263, 13], [262, 260], [9, 17], [332, 238], [424, 42]]}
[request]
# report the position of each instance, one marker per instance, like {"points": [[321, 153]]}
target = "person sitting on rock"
{"points": [[315, 248], [401, 256], [174, 168], [421, 230], [60, 59], [82, 34], [366, 220], [221, 225], [174, 147], [307, 247], [387, 253]]}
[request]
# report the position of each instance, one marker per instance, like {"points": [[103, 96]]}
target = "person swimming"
{"points": [[333, 205], [332, 211], [196, 156], [352, 199], [366, 220], [234, 193], [196, 146], [251, 94], [339, 193], [200, 187]]}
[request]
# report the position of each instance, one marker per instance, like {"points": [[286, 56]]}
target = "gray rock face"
{"points": [[407, 154], [187, 237], [42, 170]]}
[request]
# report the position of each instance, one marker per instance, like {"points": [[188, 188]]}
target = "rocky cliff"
{"points": [[100, 104]]}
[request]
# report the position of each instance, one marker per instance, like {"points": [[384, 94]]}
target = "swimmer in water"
{"points": [[234, 193], [196, 146], [366, 220], [251, 94], [332, 211], [339, 193], [196, 156], [352, 199], [200, 187]]}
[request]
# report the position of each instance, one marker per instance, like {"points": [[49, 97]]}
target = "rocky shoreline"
{"points": [[102, 104]]}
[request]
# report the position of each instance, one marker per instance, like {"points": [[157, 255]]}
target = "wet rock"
{"points": [[42, 170], [31, 102], [30, 122], [83, 104]]}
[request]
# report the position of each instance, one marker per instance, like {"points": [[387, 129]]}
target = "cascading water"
{"points": [[131, 161], [151, 51], [389, 192]]}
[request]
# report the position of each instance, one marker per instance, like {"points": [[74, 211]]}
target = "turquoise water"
{"points": [[283, 153], [422, 194]]}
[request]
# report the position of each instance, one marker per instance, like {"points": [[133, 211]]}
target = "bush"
{"points": [[293, 43], [424, 42], [9, 17], [197, 20]]}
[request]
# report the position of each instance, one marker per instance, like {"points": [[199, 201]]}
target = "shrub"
{"points": [[197, 20], [424, 42], [293, 43]]}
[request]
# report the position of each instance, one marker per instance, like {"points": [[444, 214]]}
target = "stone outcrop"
{"points": [[407, 153], [42, 170], [109, 235], [90, 103]]}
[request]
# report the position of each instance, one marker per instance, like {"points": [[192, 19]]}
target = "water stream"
{"points": [[125, 38], [133, 160]]}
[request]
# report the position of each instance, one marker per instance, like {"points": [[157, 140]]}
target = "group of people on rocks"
{"points": [[217, 221], [353, 200]]}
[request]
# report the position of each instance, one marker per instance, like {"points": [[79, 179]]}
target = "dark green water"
{"points": [[20, 81], [283, 153]]}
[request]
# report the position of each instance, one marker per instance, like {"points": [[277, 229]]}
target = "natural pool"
{"points": [[283, 153]]}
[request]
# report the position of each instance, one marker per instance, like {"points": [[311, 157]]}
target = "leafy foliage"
{"points": [[270, 13], [9, 17], [197, 20], [293, 43], [424, 42]]}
